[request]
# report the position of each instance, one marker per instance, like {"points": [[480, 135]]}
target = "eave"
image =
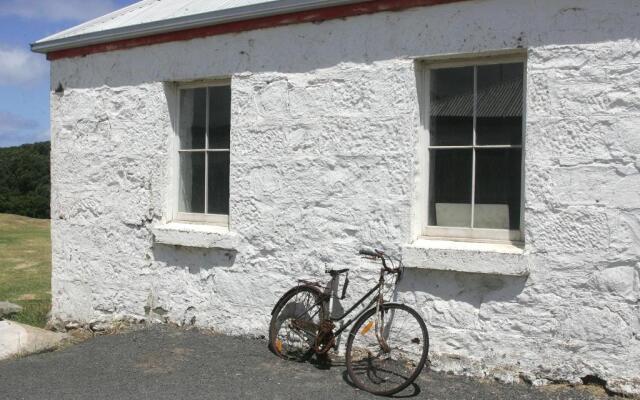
{"points": [[259, 16]]}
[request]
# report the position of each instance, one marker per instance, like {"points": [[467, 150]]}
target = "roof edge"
{"points": [[69, 32], [187, 22], [261, 16]]}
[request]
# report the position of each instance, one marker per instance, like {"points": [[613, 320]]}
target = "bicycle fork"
{"points": [[379, 321]]}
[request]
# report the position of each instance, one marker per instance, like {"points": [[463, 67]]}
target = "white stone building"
{"points": [[207, 154]]}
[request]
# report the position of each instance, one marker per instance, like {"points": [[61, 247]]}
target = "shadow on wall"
{"points": [[470, 288], [195, 259]]}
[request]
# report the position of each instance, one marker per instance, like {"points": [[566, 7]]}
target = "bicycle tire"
{"points": [[308, 312], [363, 369]]}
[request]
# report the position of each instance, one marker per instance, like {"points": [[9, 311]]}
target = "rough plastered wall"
{"points": [[325, 158]]}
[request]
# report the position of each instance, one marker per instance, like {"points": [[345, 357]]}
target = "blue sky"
{"points": [[24, 76]]}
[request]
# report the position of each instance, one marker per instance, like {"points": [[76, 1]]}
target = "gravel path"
{"points": [[167, 363]]}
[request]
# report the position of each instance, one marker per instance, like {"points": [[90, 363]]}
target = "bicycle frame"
{"points": [[353, 307], [378, 299]]}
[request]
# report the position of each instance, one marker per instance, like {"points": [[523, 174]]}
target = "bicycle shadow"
{"points": [[402, 395], [412, 390]]}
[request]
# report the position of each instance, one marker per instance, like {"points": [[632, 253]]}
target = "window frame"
{"points": [[467, 233], [179, 216]]}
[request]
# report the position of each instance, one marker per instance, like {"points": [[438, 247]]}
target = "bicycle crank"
{"points": [[325, 340]]}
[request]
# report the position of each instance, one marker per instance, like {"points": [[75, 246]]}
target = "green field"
{"points": [[25, 266]]}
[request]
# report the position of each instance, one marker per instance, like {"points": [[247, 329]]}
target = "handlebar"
{"points": [[370, 252], [377, 253]]}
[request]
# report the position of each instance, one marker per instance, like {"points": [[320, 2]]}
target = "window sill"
{"points": [[195, 235], [472, 257]]}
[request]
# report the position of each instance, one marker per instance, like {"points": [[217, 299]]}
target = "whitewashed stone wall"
{"points": [[324, 158]]}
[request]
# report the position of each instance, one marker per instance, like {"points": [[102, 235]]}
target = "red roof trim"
{"points": [[368, 7]]}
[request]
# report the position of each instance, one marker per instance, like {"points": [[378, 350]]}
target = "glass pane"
{"points": [[219, 116], [451, 107], [498, 177], [499, 112], [191, 183], [193, 108], [218, 183], [450, 188]]}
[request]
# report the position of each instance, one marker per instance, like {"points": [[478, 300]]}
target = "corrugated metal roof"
{"points": [[146, 11], [150, 17]]}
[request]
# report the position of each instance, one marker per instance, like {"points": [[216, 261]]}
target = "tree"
{"points": [[25, 180]]}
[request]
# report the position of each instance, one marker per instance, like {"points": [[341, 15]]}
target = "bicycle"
{"points": [[387, 346]]}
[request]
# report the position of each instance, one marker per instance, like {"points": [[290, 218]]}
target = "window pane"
{"points": [[451, 107], [498, 177], [499, 107], [193, 107], [218, 183], [219, 116], [191, 183], [450, 188]]}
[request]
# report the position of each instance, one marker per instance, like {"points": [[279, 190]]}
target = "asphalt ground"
{"points": [[169, 363]]}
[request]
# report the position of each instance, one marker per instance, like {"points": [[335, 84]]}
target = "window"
{"points": [[475, 130], [204, 126]]}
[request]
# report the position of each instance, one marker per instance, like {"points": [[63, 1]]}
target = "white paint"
{"points": [[192, 235], [479, 258], [325, 156]]}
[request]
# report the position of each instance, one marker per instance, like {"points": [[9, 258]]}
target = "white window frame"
{"points": [[463, 233], [178, 216]]}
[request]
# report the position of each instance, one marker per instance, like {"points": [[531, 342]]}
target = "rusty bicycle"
{"points": [[388, 343]]}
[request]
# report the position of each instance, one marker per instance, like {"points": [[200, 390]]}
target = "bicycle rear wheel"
{"points": [[386, 352], [294, 323]]}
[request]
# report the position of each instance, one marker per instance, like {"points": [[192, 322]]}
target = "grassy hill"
{"points": [[24, 180], [25, 266]]}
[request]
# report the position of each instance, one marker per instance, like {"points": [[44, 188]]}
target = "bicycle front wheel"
{"points": [[387, 350]]}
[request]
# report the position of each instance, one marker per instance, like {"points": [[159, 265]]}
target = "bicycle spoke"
{"points": [[389, 368], [295, 324]]}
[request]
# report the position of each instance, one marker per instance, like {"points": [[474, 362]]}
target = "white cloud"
{"points": [[16, 130], [57, 10], [20, 66]]}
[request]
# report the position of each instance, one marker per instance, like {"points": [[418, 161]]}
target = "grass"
{"points": [[25, 267]]}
